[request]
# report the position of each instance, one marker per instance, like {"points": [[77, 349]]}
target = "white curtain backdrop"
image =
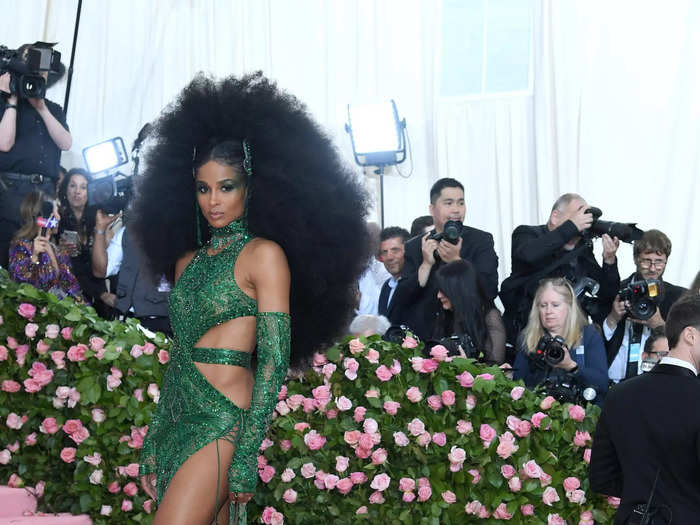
{"points": [[613, 114]]}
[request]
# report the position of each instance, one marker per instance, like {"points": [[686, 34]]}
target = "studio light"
{"points": [[378, 138], [105, 155]]}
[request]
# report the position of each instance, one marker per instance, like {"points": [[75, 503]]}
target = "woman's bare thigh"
{"points": [[191, 497]]}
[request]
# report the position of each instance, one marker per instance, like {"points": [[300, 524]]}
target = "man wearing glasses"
{"points": [[626, 336]]}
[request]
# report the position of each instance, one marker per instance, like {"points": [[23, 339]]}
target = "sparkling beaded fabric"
{"points": [[191, 412]]}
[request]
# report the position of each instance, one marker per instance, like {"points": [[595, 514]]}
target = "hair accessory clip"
{"points": [[247, 158], [194, 155]]}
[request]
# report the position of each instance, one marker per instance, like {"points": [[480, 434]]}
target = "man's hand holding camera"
{"points": [[620, 308], [449, 252], [581, 218]]}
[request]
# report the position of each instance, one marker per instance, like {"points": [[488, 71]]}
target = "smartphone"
{"points": [[70, 237]]}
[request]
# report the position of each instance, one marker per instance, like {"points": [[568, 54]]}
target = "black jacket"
{"points": [[419, 306], [392, 312], [651, 421], [670, 293], [537, 253]]}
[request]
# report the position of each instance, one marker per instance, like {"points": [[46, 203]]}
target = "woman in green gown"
{"points": [[246, 204]]}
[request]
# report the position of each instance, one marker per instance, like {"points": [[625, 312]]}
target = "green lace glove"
{"points": [[273, 329]]}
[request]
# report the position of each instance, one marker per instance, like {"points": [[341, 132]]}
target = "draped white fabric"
{"points": [[613, 114]]}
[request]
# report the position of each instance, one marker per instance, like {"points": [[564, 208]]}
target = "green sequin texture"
{"points": [[191, 412]]}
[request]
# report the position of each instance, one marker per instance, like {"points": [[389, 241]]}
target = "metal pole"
{"points": [[72, 56]]}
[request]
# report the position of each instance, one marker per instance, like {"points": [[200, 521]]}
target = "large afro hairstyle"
{"points": [[301, 196]]}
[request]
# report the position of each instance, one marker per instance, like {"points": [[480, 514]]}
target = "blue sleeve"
{"points": [[594, 371]]}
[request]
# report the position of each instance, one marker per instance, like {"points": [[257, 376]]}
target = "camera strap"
{"points": [[634, 349]]}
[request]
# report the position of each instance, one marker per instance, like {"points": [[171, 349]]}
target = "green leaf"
{"points": [[85, 502], [74, 315], [333, 354]]}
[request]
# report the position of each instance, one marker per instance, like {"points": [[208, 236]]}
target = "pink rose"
{"points": [[571, 483], [322, 394], [266, 473], [391, 407], [577, 412], [506, 445], [439, 353], [132, 469], [5, 457], [501, 512], [576, 496], [383, 373], [49, 426], [356, 346], [440, 439], [395, 367], [581, 438], [545, 479], [21, 353], [148, 506], [537, 418], [517, 392], [586, 518], [289, 496], [370, 426], [10, 386], [424, 439], [341, 463], [407, 485], [359, 414], [523, 429], [532, 469], [470, 402], [344, 486], [464, 427], [136, 351], [66, 333], [423, 482], [424, 493], [550, 496], [127, 505], [94, 460], [508, 471], [77, 352], [358, 478], [343, 403], [113, 382], [527, 510], [547, 403], [15, 482], [57, 358], [26, 310], [448, 398], [376, 498], [514, 484], [163, 356], [408, 497], [401, 439], [372, 356], [328, 370], [14, 447], [587, 455], [457, 455], [51, 331], [414, 394], [361, 510], [308, 470], [366, 442], [416, 427], [435, 402], [42, 348], [30, 330], [472, 507], [352, 437], [449, 497], [14, 421], [487, 434], [428, 366], [465, 379], [379, 456], [409, 342], [555, 519], [96, 344], [285, 445], [485, 377], [476, 475], [149, 348], [72, 425], [330, 481], [314, 440], [380, 482], [4, 353], [68, 454], [80, 435], [30, 440], [130, 489], [613, 501]]}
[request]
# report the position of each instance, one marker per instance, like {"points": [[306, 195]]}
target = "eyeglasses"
{"points": [[648, 263]]}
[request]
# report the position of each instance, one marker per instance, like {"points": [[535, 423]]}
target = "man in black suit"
{"points": [[557, 249], [650, 427], [624, 335], [417, 291], [391, 253]]}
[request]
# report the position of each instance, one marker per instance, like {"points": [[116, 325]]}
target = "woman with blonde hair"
{"points": [[556, 313]]}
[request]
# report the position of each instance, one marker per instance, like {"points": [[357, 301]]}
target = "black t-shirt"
{"points": [[34, 150]]}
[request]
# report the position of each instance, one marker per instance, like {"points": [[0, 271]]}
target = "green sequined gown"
{"points": [[192, 413]]}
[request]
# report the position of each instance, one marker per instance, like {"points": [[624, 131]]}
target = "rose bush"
{"points": [[74, 404], [376, 432]]}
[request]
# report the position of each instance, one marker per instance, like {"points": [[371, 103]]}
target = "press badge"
{"points": [[579, 350]]}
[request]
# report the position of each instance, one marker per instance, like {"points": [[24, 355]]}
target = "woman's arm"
{"points": [[271, 279]]}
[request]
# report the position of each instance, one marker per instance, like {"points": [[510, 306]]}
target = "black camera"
{"points": [[642, 297], [550, 349], [586, 292], [110, 194], [453, 344], [451, 232], [568, 389], [396, 333], [26, 80], [626, 232]]}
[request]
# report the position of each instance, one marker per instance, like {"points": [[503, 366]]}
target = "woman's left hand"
{"points": [[240, 497], [567, 363]]}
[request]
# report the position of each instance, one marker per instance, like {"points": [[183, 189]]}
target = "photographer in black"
{"points": [[558, 348], [416, 295], [33, 132], [560, 248], [646, 447], [646, 301], [468, 322]]}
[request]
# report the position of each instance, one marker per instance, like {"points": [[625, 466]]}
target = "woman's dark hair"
{"points": [[301, 195], [63, 188], [461, 283], [68, 220], [695, 286]]}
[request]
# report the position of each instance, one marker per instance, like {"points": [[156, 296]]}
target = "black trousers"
{"points": [[12, 192]]}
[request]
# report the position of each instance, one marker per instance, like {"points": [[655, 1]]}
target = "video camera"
{"points": [[642, 297], [26, 80], [626, 232], [451, 232]]}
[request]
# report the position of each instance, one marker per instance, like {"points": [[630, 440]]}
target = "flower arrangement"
{"points": [[76, 394], [378, 432]]}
